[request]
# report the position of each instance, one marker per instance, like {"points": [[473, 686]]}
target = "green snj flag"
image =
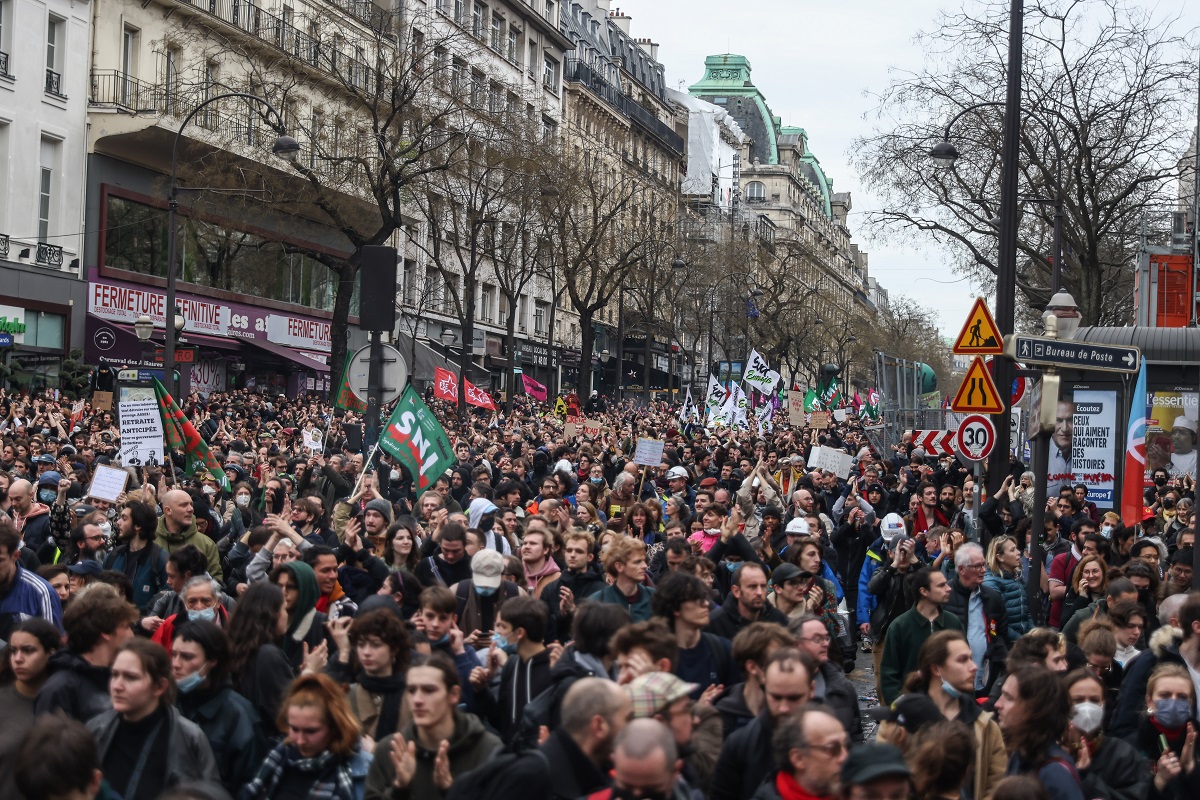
{"points": [[414, 436], [180, 434]]}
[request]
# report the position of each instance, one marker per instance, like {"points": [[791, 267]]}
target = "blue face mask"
{"points": [[190, 682], [596, 481], [439, 642], [205, 614], [732, 565], [47, 496], [1172, 713], [950, 690], [486, 591], [503, 644]]}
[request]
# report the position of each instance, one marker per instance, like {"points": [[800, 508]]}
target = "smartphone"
{"points": [[277, 502]]}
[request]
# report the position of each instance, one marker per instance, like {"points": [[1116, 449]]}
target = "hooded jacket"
{"points": [[1163, 649], [75, 687], [746, 759], [233, 729], [173, 541], [470, 746], [1016, 602], [584, 583], [727, 620], [305, 623], [520, 682], [34, 526]]}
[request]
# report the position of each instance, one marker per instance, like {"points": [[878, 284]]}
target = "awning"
{"points": [[288, 354], [213, 342], [427, 358]]}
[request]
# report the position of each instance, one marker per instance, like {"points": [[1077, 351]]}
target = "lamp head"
{"points": [[679, 263], [1065, 313], [285, 146], [604, 356], [448, 337], [143, 327], [179, 321], [944, 155]]}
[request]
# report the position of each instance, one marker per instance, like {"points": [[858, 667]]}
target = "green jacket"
{"points": [[470, 747], [639, 610], [902, 645], [174, 541]]}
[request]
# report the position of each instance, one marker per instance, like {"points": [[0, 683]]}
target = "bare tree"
{"points": [[378, 104], [1110, 83], [600, 218]]}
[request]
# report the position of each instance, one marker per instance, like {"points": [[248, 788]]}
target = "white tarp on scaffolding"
{"points": [[711, 133]]}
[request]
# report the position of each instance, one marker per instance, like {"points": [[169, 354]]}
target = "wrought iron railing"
{"points": [[3, 63], [54, 83], [577, 71], [3, 245], [49, 255]]}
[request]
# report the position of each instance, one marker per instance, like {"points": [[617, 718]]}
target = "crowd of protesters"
{"points": [[550, 620]]}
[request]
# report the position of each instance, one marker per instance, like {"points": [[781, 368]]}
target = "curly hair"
{"points": [[387, 627], [941, 756], [675, 589]]}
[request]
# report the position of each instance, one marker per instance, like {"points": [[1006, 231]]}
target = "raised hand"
{"points": [[404, 761]]}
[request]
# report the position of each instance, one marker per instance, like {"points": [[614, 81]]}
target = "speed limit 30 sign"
{"points": [[975, 438]]}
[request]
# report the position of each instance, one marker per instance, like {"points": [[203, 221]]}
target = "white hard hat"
{"points": [[798, 526], [677, 473], [892, 526]]}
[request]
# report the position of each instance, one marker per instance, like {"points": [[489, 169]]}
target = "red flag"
{"points": [[445, 385]]}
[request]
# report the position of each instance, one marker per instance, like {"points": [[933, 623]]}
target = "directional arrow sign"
{"points": [[934, 443], [1077, 355]]}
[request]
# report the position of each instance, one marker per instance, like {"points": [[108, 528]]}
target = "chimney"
{"points": [[621, 20], [604, 5]]}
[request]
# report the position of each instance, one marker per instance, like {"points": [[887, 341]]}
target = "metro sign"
{"points": [[934, 443]]}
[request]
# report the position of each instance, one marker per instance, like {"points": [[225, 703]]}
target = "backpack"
{"points": [[479, 782]]}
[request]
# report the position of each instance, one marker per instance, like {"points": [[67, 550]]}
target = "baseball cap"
{"points": [[486, 568], [654, 691], [677, 472], [910, 711], [44, 458], [86, 567], [797, 527], [785, 572], [49, 477], [870, 762]]}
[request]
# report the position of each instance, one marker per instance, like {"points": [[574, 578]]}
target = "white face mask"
{"points": [[242, 500], [1087, 717], [105, 528], [209, 490], [395, 474]]}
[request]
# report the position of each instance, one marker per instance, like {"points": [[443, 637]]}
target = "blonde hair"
{"points": [[1169, 671], [993, 553]]}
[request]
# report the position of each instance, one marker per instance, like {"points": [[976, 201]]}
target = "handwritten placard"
{"points": [[141, 433], [795, 408], [831, 460], [648, 452], [820, 420], [108, 483], [591, 428]]}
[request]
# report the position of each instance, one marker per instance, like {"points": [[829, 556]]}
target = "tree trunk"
{"points": [[339, 332], [586, 343], [510, 346], [468, 331]]}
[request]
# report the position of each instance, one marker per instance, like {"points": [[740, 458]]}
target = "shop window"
{"points": [[43, 329]]}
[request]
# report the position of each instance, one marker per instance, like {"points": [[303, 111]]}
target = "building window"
{"points": [[756, 192], [496, 41], [47, 174], [487, 302], [549, 130], [55, 47], [409, 290], [314, 136], [459, 11], [450, 294], [523, 313], [541, 316], [514, 46], [478, 20], [550, 74], [533, 59], [4, 32]]}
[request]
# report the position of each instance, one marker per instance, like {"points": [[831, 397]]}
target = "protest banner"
{"points": [[795, 408], [648, 452], [831, 460], [820, 420], [108, 483], [141, 433]]}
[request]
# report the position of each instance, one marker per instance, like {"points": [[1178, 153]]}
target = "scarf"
{"points": [[391, 689], [789, 789], [325, 601], [532, 578], [286, 757]]}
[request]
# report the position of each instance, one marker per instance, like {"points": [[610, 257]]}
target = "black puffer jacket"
{"points": [[74, 687], [1117, 772]]}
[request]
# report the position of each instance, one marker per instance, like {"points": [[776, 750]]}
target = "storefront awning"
{"points": [[287, 354]]}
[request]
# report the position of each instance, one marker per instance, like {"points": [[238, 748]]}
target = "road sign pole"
{"points": [[978, 494], [374, 391]]}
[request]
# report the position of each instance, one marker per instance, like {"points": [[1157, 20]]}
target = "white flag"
{"points": [[759, 374], [716, 394], [765, 413], [689, 412]]}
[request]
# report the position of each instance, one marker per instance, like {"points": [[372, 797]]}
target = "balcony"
{"points": [[49, 255], [4, 64], [117, 90], [3, 245], [368, 14], [53, 83], [577, 71]]}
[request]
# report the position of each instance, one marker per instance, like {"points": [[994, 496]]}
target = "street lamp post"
{"points": [[1061, 321], [284, 146]]}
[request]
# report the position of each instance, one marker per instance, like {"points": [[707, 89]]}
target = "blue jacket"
{"points": [[147, 571], [876, 554], [1016, 604], [828, 574]]}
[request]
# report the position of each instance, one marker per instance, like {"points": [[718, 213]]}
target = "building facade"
{"points": [[43, 96]]}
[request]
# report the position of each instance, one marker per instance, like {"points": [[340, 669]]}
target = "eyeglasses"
{"points": [[980, 565], [1100, 670], [822, 638], [833, 749]]}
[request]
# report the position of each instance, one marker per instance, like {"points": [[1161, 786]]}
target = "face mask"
{"points": [[1172, 713], [486, 591], [242, 500], [47, 495], [732, 565], [105, 528], [395, 475], [596, 481], [1106, 531], [1087, 717], [190, 682], [204, 614], [950, 690], [626, 794], [1168, 503], [503, 644], [1160, 481], [111, 513], [209, 490], [439, 642]]}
